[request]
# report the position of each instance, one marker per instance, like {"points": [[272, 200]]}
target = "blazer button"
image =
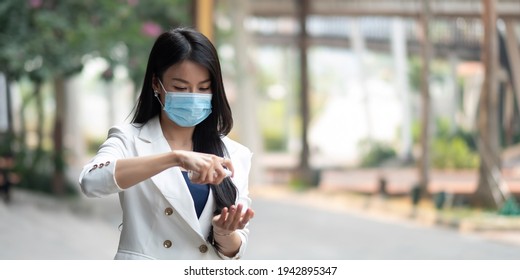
{"points": [[93, 167], [168, 211], [107, 163], [101, 165], [167, 244], [203, 248]]}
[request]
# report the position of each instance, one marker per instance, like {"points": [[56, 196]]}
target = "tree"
{"points": [[490, 192], [50, 41]]}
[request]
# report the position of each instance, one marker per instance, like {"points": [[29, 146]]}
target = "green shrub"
{"points": [[454, 153], [373, 153], [510, 208], [36, 170], [274, 142]]}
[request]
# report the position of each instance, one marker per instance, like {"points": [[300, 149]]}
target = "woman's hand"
{"points": [[231, 219], [224, 226], [205, 168]]}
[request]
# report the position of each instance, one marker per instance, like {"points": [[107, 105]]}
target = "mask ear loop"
{"points": [[156, 93]]}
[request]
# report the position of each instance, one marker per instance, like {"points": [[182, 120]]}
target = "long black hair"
{"points": [[175, 46]]}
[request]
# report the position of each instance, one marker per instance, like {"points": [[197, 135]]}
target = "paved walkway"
{"points": [[40, 227], [291, 229], [498, 228]]}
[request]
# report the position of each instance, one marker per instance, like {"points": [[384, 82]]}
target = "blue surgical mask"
{"points": [[186, 109]]}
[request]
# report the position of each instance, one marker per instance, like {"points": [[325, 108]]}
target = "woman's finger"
{"points": [[231, 217], [223, 216], [237, 217], [246, 218], [229, 165], [218, 175]]}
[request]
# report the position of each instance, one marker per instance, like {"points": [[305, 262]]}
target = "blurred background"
{"points": [[381, 129]]}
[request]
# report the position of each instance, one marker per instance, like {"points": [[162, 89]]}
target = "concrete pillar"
{"points": [[399, 53], [358, 47], [453, 89], [245, 110]]}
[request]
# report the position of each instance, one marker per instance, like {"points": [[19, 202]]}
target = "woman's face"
{"points": [[186, 76]]}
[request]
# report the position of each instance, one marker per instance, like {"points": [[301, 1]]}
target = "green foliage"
{"points": [[373, 153], [274, 129], [44, 39], [297, 184], [35, 170], [510, 208], [438, 70], [274, 142], [49, 41], [453, 153], [453, 149]]}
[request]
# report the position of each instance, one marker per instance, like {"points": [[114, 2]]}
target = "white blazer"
{"points": [[159, 218]]}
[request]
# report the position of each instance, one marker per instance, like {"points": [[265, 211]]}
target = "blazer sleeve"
{"points": [[97, 177], [242, 162]]}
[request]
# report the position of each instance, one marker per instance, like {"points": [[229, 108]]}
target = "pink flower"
{"points": [[151, 29], [35, 4]]}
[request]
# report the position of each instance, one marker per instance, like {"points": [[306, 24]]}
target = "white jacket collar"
{"points": [[170, 182]]}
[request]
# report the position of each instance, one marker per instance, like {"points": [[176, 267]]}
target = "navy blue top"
{"points": [[199, 193]]}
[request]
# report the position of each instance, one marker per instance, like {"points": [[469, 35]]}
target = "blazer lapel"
{"points": [[207, 214], [170, 182]]}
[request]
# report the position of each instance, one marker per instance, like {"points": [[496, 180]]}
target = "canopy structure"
{"points": [[474, 30]]}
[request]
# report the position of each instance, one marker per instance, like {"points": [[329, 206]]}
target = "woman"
{"points": [[182, 184]]}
